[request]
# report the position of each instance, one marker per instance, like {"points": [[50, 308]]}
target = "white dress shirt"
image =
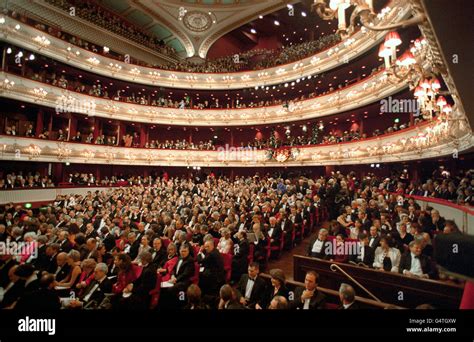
{"points": [[415, 265], [249, 288], [317, 246]]}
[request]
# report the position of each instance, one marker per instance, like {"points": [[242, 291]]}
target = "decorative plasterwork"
{"points": [[365, 92], [430, 140]]}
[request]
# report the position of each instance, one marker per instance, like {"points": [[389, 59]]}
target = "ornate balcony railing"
{"points": [[365, 92], [429, 140]]}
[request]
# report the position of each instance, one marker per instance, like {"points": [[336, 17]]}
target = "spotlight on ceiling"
{"points": [[253, 31], [303, 14], [277, 23]]}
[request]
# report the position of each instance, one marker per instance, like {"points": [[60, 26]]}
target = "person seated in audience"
{"points": [[63, 267], [72, 279], [29, 277], [170, 262], [319, 247], [86, 276], [241, 256], [90, 138], [184, 271], [387, 258], [260, 243], [44, 135], [414, 264], [225, 244], [158, 253], [365, 253], [228, 299], [278, 303], [251, 288], [95, 293], [140, 288], [340, 253], [347, 297], [77, 137], [403, 238], [42, 299], [374, 238], [143, 247], [308, 297], [193, 295], [29, 131], [127, 274], [345, 219], [277, 288], [61, 136], [12, 290], [212, 275], [274, 232]]}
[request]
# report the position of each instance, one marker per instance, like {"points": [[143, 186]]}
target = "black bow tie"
{"points": [[252, 279], [417, 257]]}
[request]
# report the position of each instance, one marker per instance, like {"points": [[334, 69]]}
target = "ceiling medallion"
{"points": [[197, 21]]}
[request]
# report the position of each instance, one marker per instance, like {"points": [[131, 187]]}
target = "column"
{"points": [[39, 122], [143, 135]]}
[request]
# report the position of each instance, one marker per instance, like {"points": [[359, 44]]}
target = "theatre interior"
{"points": [[236, 154]]}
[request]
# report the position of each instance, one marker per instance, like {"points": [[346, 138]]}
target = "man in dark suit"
{"points": [[286, 226], [240, 258], [141, 287], [228, 299], [308, 297], [6, 263], [184, 270], [26, 272], [367, 253], [374, 238], [347, 297], [52, 252], [108, 238], [13, 289], [251, 288], [274, 232], [63, 240], [45, 298], [212, 276], [415, 264], [63, 268], [96, 290], [319, 246], [42, 261], [158, 253]]}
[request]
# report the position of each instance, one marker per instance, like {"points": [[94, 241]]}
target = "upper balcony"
{"points": [[28, 37]]}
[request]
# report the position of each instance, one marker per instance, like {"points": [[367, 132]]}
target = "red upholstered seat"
{"points": [[155, 293], [195, 277], [227, 258], [331, 306]]}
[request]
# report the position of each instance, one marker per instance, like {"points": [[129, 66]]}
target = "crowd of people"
{"points": [[198, 241], [258, 58], [137, 95], [273, 140], [91, 11]]}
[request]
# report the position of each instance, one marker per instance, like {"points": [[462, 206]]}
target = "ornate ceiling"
{"points": [[192, 26]]}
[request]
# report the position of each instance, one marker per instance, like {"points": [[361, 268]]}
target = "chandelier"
{"points": [[429, 99], [363, 9]]}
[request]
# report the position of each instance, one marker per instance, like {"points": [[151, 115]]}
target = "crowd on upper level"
{"points": [[249, 60], [91, 11], [258, 58]]}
